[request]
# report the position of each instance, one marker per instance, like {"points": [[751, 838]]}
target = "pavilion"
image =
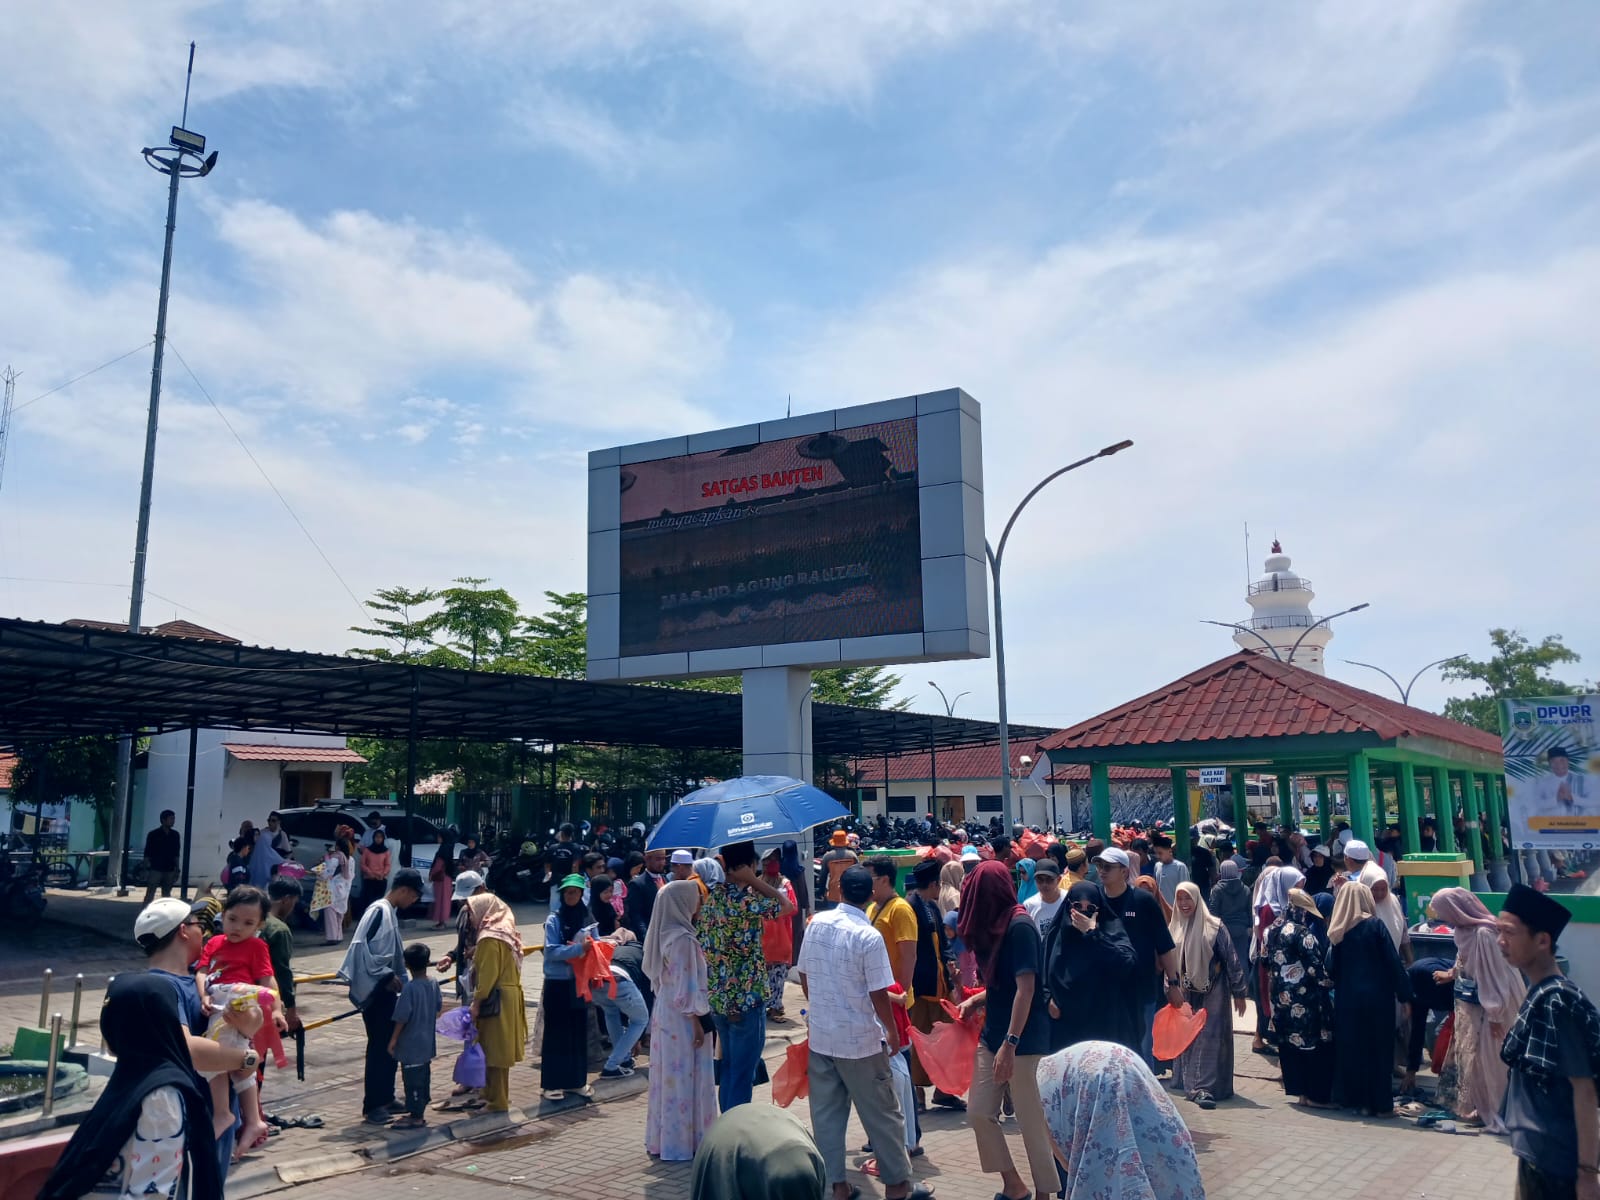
{"points": [[1252, 714]]}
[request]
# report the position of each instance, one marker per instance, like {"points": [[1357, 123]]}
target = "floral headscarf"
{"points": [[1115, 1129]]}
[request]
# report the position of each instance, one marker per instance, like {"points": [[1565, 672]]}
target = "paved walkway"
{"points": [[1252, 1146]]}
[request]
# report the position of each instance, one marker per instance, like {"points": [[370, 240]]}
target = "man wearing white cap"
{"points": [[682, 864], [1152, 942], [1358, 854], [172, 934]]}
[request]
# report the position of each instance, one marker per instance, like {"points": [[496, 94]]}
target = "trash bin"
{"points": [[1425, 874]]}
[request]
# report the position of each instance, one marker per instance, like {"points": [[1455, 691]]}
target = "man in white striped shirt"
{"points": [[845, 973]]}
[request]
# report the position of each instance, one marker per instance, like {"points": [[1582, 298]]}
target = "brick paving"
{"points": [[1255, 1145]]}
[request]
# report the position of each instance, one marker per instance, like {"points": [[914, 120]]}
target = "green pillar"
{"points": [[1444, 810], [1469, 806], [1360, 797], [521, 810], [1287, 816], [1100, 798], [1241, 808], [1410, 834], [1494, 815], [1180, 813], [1380, 804], [1324, 808], [452, 808]]}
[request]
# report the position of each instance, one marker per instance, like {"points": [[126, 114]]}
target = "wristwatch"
{"points": [[1013, 1040], [251, 1059]]}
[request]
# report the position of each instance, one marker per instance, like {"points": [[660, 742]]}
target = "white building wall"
{"points": [[227, 791], [1031, 797]]}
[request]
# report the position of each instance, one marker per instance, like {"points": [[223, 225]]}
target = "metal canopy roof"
{"points": [[63, 681]]}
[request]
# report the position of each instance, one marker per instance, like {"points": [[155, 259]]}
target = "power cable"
{"points": [[78, 378], [287, 507]]}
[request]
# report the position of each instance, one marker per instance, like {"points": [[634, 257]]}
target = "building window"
{"points": [[902, 804], [991, 804]]}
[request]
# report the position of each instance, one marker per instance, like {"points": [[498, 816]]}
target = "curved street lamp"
{"points": [[995, 555], [1298, 640], [1405, 692]]}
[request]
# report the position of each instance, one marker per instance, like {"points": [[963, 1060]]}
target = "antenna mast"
{"points": [[10, 379]]}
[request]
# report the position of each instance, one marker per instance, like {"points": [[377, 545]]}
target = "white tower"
{"points": [[1280, 604]]}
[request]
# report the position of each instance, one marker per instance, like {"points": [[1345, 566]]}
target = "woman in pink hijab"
{"points": [[1489, 993]]}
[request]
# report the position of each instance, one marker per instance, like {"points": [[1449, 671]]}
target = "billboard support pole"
{"points": [[777, 722]]}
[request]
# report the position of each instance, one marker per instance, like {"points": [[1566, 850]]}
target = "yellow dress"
{"points": [[505, 1036]]}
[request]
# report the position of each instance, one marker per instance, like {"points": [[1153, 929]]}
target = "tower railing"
{"points": [[1280, 585]]}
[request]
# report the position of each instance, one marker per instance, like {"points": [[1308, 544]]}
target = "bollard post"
{"points": [[50, 1067], [44, 996], [77, 1003]]}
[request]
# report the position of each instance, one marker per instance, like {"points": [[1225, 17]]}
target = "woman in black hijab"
{"points": [[605, 915], [154, 1112], [1089, 966]]}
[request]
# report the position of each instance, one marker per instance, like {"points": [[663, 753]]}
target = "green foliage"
{"points": [[85, 768], [475, 627], [1516, 668], [555, 642]]}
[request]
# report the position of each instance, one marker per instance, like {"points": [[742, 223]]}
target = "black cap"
{"points": [[1536, 910], [1048, 868], [855, 885], [1558, 752], [926, 873]]}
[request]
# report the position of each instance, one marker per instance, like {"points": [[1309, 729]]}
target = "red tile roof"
{"points": [[1079, 773], [965, 762], [295, 754], [8, 763], [1248, 695], [176, 629]]}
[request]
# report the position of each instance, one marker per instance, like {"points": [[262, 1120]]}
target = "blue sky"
{"points": [[1334, 267]]}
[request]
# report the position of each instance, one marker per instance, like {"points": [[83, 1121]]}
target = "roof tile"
{"points": [[1247, 695]]}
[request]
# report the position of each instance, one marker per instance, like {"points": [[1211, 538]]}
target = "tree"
{"points": [[555, 642], [479, 620], [1517, 668], [83, 768], [413, 631]]}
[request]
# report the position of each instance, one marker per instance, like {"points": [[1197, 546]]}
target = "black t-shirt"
{"points": [[161, 847], [563, 860], [930, 949], [1022, 953], [1141, 917]]}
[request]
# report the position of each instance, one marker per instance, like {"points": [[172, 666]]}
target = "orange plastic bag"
{"points": [[1175, 1031], [946, 1051], [592, 972], [793, 1080]]}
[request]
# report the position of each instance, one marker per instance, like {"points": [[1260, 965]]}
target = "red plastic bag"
{"points": [[1441, 1043], [946, 1051], [1175, 1031], [793, 1080], [592, 971]]}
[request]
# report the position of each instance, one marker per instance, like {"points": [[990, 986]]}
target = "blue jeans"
{"points": [[629, 1003], [743, 1037]]}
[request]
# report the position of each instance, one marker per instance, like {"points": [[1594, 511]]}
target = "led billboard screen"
{"points": [[840, 537], [806, 538]]}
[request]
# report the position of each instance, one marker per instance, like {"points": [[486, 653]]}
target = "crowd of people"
{"points": [[1058, 958]]}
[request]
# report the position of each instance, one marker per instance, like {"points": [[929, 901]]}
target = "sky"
{"points": [[1334, 267]]}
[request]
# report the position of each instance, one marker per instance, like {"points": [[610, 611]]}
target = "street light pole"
{"points": [[1298, 640], [995, 557], [173, 161], [933, 748], [1323, 621], [1405, 691]]}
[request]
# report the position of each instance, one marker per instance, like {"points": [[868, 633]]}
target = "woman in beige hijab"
{"points": [[1208, 970]]}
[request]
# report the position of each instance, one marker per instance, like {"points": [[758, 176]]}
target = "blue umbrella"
{"points": [[742, 810]]}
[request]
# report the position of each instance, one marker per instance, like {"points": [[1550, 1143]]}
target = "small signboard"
{"points": [[1213, 776]]}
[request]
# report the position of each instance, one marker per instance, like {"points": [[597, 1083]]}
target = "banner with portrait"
{"points": [[1552, 752]]}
